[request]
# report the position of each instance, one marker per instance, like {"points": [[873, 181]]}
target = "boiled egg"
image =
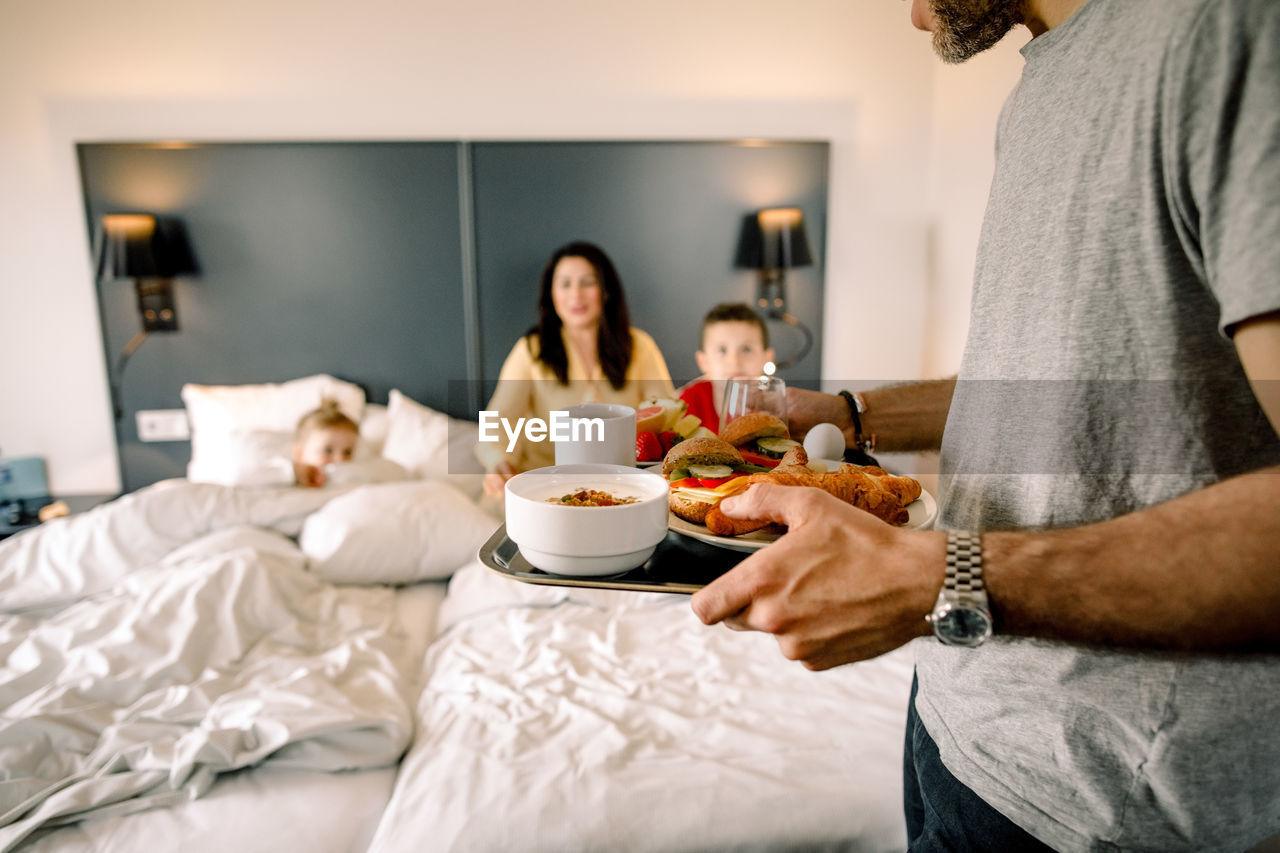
{"points": [[824, 441]]}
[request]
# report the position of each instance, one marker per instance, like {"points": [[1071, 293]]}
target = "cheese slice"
{"points": [[701, 495], [710, 496]]}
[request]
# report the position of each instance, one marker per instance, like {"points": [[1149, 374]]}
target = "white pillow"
{"points": [[242, 457], [433, 445], [417, 436], [270, 406], [394, 533], [238, 429], [374, 425]]}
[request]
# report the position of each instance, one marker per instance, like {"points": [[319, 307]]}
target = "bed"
{"points": [[212, 664]]}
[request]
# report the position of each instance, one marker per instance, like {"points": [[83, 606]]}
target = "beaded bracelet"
{"points": [[865, 443]]}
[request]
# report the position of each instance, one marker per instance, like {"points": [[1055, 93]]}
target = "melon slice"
{"points": [[686, 425]]}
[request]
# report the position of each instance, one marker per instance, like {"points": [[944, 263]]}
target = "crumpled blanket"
{"points": [[174, 635], [558, 718]]}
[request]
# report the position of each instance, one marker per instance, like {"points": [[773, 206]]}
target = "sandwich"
{"points": [[762, 438], [697, 469]]}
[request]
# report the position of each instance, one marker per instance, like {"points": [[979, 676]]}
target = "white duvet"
{"points": [[176, 634], [555, 720]]}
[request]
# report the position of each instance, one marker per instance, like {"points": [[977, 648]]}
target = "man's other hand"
{"points": [[806, 409], [840, 586]]}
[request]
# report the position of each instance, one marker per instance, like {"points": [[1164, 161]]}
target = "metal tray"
{"points": [[679, 564]]}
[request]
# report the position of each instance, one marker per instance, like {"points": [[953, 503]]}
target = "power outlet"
{"points": [[163, 425]]}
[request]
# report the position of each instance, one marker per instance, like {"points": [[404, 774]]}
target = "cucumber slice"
{"points": [[775, 446], [679, 474], [710, 472]]}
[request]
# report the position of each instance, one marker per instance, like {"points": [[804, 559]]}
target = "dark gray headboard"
{"points": [[414, 265]]}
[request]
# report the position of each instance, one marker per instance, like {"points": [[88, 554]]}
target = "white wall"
{"points": [[853, 72], [966, 106]]}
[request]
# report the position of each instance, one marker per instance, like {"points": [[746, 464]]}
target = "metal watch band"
{"points": [[964, 562]]}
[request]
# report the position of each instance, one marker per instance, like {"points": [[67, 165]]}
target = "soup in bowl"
{"points": [[588, 519]]}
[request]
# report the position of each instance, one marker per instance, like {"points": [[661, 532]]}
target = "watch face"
{"points": [[961, 626]]}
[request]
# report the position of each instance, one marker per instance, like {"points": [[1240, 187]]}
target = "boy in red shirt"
{"points": [[735, 342]]}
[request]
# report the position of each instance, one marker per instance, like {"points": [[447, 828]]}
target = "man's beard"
{"points": [[965, 28]]}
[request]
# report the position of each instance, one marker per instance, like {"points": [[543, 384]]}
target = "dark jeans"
{"points": [[942, 813]]}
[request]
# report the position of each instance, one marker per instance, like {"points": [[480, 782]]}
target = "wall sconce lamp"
{"points": [[132, 247], [150, 252], [773, 241]]}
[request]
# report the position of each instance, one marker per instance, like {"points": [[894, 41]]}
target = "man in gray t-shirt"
{"points": [[1110, 458]]}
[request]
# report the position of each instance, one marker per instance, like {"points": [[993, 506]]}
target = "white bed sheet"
{"points": [[265, 809], [556, 719]]}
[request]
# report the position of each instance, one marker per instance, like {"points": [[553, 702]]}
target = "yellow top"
{"points": [[529, 388]]}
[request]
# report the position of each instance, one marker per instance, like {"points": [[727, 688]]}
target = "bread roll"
{"points": [[689, 509], [745, 429], [706, 450]]}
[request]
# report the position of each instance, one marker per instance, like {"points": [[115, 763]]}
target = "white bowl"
{"points": [[586, 540]]}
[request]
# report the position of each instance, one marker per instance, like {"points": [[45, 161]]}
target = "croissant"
{"points": [[868, 488], [905, 489]]}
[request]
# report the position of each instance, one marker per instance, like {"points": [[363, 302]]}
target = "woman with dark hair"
{"points": [[582, 348]]}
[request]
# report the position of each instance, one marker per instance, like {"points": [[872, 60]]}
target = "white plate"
{"points": [[920, 515]]}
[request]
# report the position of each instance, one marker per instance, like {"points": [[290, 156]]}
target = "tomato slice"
{"points": [[758, 458], [686, 483]]}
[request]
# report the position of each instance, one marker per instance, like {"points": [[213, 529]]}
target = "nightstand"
{"points": [[21, 514]]}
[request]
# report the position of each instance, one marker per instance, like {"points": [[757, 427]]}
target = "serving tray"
{"points": [[678, 564]]}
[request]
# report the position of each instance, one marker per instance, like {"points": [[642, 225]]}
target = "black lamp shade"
{"points": [[773, 239], [151, 252], [128, 247], [137, 245]]}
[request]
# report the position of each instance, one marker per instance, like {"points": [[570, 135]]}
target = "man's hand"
{"points": [[904, 418], [840, 586], [806, 409]]}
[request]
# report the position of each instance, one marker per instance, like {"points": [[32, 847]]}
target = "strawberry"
{"points": [[669, 438], [648, 448]]}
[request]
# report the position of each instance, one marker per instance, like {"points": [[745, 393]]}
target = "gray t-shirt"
{"points": [[1134, 217]]}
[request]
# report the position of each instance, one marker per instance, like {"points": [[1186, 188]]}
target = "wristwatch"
{"points": [[962, 616]]}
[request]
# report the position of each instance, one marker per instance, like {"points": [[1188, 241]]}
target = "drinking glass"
{"points": [[746, 394]]}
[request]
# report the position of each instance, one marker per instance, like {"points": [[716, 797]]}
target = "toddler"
{"points": [[735, 342], [323, 436]]}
